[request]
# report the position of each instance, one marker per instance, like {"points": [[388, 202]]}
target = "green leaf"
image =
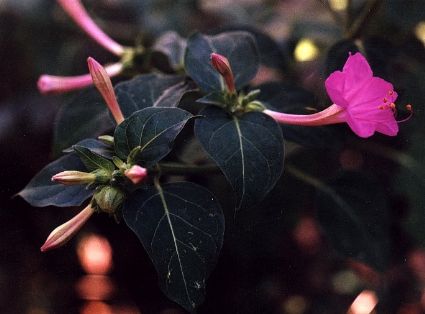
{"points": [[238, 47], [95, 146], [92, 160], [172, 46], [153, 129], [146, 91], [353, 212], [248, 149], [84, 116], [181, 226], [41, 191]]}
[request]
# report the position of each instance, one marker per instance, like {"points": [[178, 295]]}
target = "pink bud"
{"points": [[74, 177], [136, 174], [49, 84], [222, 66], [63, 233], [78, 13], [103, 83]]}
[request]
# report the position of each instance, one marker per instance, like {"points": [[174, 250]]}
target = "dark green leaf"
{"points": [[95, 146], [238, 47], [153, 129], [214, 98], [92, 160], [85, 116], [171, 96], [144, 91], [173, 46], [354, 214], [41, 191], [248, 149], [181, 226]]}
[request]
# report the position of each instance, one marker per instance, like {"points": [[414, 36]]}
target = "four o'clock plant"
{"points": [[129, 172]]}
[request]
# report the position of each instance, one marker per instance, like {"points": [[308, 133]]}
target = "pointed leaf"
{"points": [[143, 91], [173, 46], [92, 160], [153, 129], [248, 149], [95, 146], [238, 47], [181, 226], [41, 191], [84, 116]]}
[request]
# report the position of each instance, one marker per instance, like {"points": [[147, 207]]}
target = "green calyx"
{"points": [[108, 198]]}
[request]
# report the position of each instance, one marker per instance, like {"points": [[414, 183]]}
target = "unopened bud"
{"points": [[74, 177], [222, 66], [109, 198], [63, 233], [136, 174], [104, 85]]}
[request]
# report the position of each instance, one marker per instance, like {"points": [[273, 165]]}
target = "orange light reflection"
{"points": [[364, 303], [95, 254], [96, 308]]}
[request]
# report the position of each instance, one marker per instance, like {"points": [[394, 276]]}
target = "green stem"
{"points": [[360, 23], [175, 168]]}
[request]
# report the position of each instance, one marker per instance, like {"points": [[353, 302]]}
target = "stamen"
{"points": [[410, 110], [385, 100]]}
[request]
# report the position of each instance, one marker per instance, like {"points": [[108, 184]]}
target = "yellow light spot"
{"points": [[338, 5], [420, 31], [306, 50], [364, 303]]}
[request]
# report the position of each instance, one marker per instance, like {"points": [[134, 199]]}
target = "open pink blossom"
{"points": [[49, 84], [78, 13], [363, 101]]}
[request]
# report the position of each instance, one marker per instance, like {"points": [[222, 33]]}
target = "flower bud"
{"points": [[74, 177], [222, 66], [63, 233], [104, 85], [136, 174], [109, 198]]}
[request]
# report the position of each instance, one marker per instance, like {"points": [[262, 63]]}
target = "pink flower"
{"points": [[363, 101], [48, 84], [136, 174], [74, 177], [63, 233], [78, 13], [103, 83]]}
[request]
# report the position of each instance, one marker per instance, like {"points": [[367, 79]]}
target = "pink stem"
{"points": [[78, 13], [331, 115], [61, 84]]}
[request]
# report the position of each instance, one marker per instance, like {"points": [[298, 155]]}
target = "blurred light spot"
{"points": [[345, 282], [410, 308], [94, 287], [307, 235], [306, 50], [128, 309], [364, 303], [294, 305], [416, 262], [420, 31], [351, 160], [338, 5], [96, 308], [265, 74], [37, 310], [95, 254]]}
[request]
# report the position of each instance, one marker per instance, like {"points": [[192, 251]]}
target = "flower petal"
{"points": [[357, 72], [335, 87]]}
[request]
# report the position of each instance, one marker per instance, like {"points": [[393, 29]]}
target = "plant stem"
{"points": [[358, 25], [175, 168]]}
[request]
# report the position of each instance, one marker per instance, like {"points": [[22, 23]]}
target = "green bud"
{"points": [[107, 139], [102, 176], [109, 198], [255, 106], [119, 163]]}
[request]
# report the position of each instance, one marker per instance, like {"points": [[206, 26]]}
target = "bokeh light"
{"points": [[364, 303], [95, 254], [306, 50], [420, 31], [338, 5], [96, 308]]}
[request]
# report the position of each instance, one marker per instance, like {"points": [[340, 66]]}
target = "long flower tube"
{"points": [[365, 102], [78, 13], [49, 84], [65, 232]]}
